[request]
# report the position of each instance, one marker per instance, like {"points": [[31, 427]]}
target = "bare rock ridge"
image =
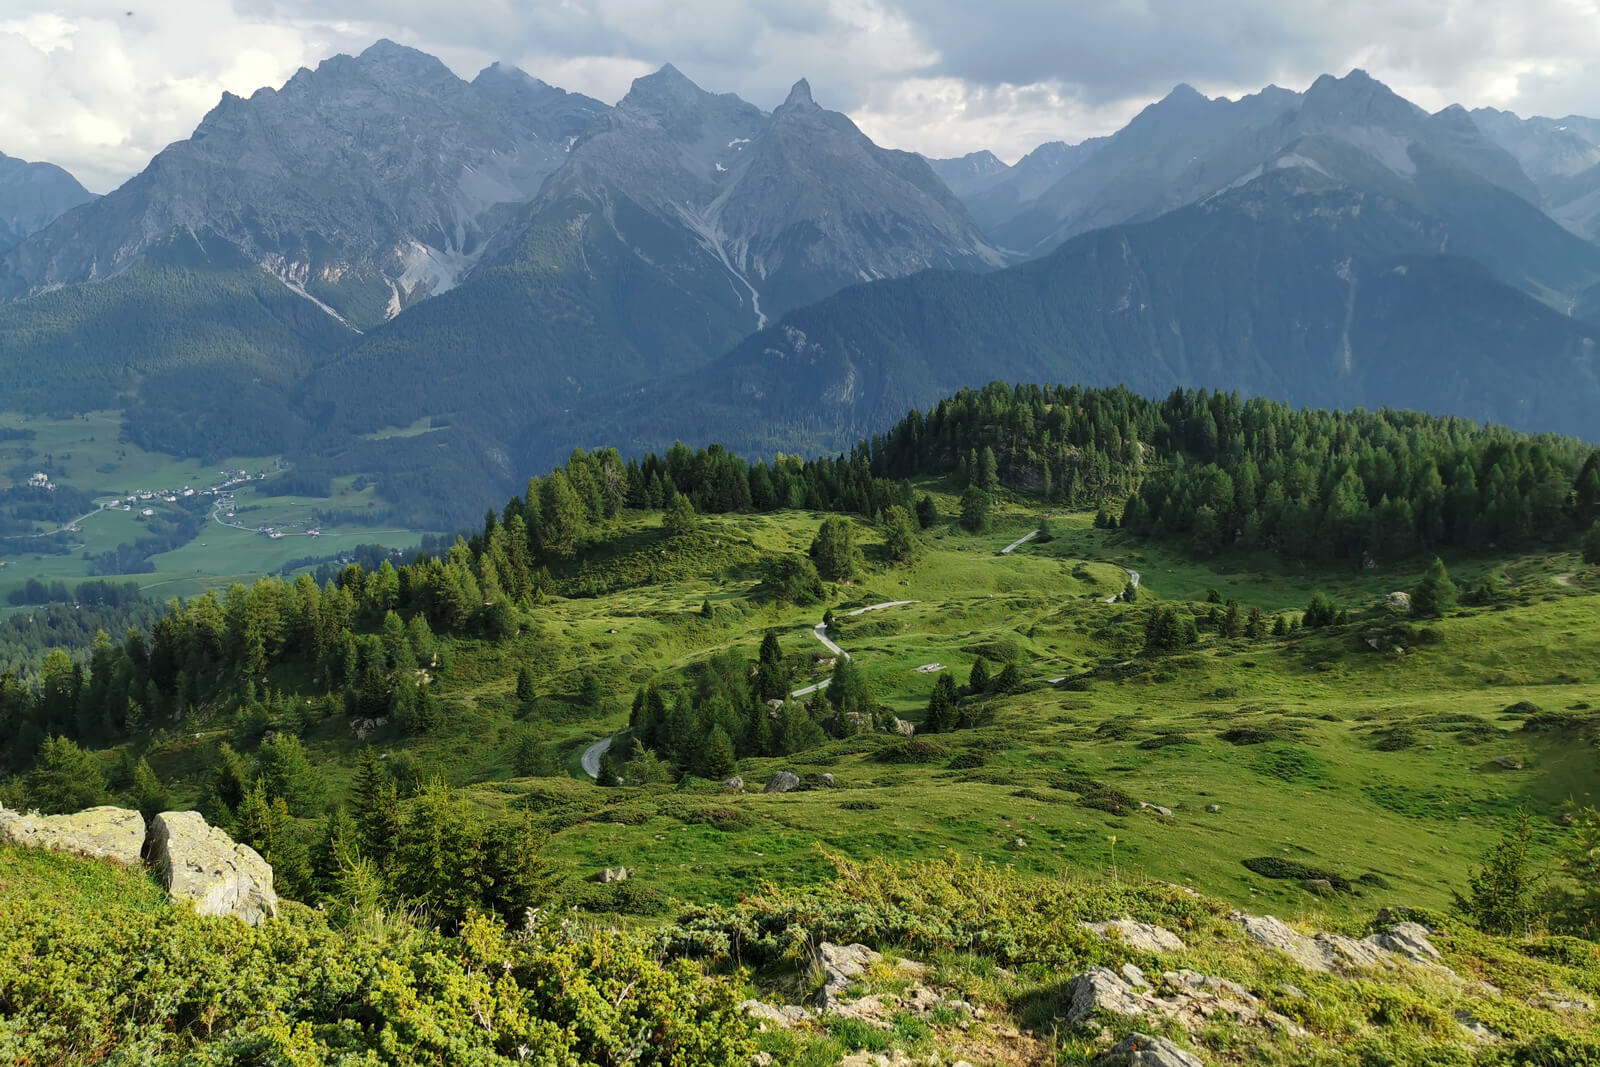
{"points": [[196, 862], [369, 182]]}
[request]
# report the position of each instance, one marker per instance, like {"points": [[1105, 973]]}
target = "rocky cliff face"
{"points": [[368, 183], [752, 212], [33, 195]]}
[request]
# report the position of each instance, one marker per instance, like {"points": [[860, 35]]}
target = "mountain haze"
{"points": [[33, 195], [1293, 286]]}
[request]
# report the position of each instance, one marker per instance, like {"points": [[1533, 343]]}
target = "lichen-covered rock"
{"points": [[1407, 939], [1103, 991], [103, 833], [841, 965], [1145, 1050], [783, 782], [1138, 935], [203, 865]]}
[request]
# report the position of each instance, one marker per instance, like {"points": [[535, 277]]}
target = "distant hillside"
{"points": [[32, 195], [1293, 286]]}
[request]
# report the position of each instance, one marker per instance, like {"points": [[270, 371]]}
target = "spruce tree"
{"points": [[525, 688], [148, 794], [978, 680], [375, 805], [1591, 544], [943, 714], [928, 512], [1436, 594], [65, 778], [718, 762]]}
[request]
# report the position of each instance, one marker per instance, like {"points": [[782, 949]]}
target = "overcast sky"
{"points": [[100, 87]]}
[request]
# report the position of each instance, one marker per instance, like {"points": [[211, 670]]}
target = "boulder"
{"points": [[1398, 601], [1320, 886], [612, 874], [783, 782], [1407, 939], [841, 965], [1274, 933], [902, 727], [1138, 935], [782, 1017], [203, 865], [1102, 991], [1507, 763], [734, 784], [104, 833], [1213, 808], [1143, 1050]]}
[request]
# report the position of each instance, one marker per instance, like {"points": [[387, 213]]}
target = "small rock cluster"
{"points": [[196, 862]]}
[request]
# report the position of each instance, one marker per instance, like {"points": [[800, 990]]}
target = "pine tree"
{"points": [[525, 688], [978, 680], [988, 470], [148, 794], [375, 804], [772, 674], [943, 714], [531, 755], [718, 762], [337, 847], [1009, 680], [834, 549], [1500, 891], [975, 507], [900, 536], [64, 779], [678, 519], [263, 822], [285, 769], [1436, 594], [848, 690]]}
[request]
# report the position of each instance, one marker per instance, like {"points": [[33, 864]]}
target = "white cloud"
{"points": [[99, 89]]}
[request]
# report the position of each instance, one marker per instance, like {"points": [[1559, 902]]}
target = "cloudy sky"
{"points": [[99, 87]]}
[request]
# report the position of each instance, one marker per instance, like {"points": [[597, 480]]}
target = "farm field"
{"points": [[84, 455]]}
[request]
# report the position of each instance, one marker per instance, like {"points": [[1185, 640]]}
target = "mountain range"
{"points": [[380, 242], [33, 195]]}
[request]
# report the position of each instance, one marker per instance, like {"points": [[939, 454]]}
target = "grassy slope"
{"points": [[1320, 790]]}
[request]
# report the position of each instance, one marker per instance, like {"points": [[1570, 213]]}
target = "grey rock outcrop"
{"points": [[841, 966], [1138, 935], [782, 782], [201, 864], [1144, 1050], [1185, 997], [1339, 954], [103, 833]]}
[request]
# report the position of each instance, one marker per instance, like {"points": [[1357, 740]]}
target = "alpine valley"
{"points": [[384, 683]]}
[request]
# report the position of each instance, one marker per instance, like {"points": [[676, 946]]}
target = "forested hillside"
{"points": [[1109, 642]]}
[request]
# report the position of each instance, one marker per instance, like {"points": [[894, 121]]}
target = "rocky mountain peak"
{"points": [[1358, 97], [666, 92], [799, 97]]}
